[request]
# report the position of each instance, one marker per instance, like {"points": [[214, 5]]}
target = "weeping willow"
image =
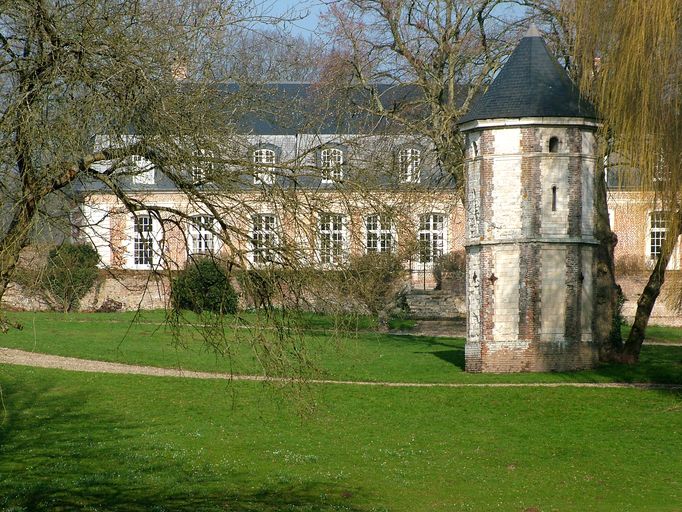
{"points": [[629, 52]]}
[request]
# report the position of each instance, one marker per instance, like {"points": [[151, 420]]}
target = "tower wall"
{"points": [[530, 239]]}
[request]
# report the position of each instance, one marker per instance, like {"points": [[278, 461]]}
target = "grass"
{"points": [[658, 333], [320, 345], [72, 441], [85, 442]]}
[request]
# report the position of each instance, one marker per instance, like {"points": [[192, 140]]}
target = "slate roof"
{"points": [[530, 84], [282, 113], [298, 107]]}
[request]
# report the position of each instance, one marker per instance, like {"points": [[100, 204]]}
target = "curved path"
{"points": [[24, 358]]}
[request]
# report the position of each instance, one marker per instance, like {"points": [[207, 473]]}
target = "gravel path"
{"points": [[24, 358]]}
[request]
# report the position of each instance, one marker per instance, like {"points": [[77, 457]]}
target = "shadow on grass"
{"points": [[56, 455], [454, 357], [659, 364], [129, 498]]}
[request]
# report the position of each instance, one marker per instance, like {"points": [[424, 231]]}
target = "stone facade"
{"points": [[529, 245]]}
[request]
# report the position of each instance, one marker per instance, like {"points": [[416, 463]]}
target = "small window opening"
{"points": [[475, 148], [554, 198], [554, 144]]}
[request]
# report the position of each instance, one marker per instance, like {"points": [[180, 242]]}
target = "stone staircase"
{"points": [[435, 304]]}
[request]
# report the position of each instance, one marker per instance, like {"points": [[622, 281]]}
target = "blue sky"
{"points": [[310, 8]]}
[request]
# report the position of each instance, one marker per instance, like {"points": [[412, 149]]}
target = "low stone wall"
{"points": [[435, 304], [125, 291], [662, 313], [134, 290], [147, 290]]}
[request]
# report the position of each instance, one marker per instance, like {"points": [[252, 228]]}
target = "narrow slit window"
{"points": [[554, 144], [554, 198]]}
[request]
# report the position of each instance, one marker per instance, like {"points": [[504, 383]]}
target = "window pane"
{"points": [[380, 234], [408, 164], [657, 235], [143, 241], [202, 234], [332, 241], [331, 160], [263, 238], [431, 237]]}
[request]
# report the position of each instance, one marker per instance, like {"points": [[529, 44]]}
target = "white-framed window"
{"points": [[202, 237], [409, 160], [658, 228], [264, 238], [380, 234], [143, 240], [264, 159], [332, 238], [144, 172], [331, 161], [656, 237], [203, 169], [432, 237]]}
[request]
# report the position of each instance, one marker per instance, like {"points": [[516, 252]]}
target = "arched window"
{"points": [[554, 198], [554, 144], [144, 171], [264, 159], [431, 237], [409, 160], [380, 232], [331, 161]]}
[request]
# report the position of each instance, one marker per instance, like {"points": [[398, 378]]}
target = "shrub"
{"points": [[204, 286], [453, 263], [630, 265], [372, 279], [70, 271]]}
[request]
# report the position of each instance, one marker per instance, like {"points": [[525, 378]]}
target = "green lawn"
{"points": [[660, 334], [73, 441], [316, 348], [92, 442]]}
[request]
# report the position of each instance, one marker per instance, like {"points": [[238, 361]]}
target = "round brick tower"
{"points": [[530, 161]]}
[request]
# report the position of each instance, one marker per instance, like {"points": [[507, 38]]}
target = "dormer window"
{"points": [[409, 160], [331, 162], [264, 159], [203, 168], [553, 144], [144, 171]]}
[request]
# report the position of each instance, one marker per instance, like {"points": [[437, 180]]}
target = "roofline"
{"points": [[528, 121]]}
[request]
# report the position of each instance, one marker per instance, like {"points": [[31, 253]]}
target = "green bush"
{"points": [[70, 271], [204, 286], [372, 279]]}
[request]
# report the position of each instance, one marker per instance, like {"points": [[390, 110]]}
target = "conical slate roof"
{"points": [[530, 84]]}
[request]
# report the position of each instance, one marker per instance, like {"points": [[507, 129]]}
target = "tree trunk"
{"points": [[645, 304], [607, 293], [14, 240]]}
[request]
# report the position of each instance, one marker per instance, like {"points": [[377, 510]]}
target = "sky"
{"points": [[310, 9]]}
